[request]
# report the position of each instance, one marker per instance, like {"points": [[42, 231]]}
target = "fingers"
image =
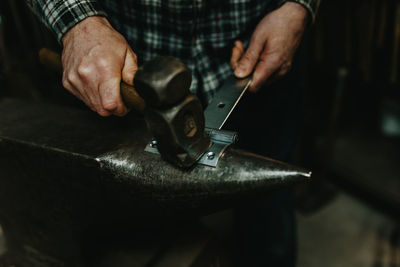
{"points": [[68, 85], [248, 61], [272, 46], [130, 67], [109, 89], [97, 83], [237, 52], [72, 82], [95, 58], [110, 95], [265, 68], [89, 84], [269, 68]]}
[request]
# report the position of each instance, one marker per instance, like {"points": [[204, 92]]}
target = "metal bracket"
{"points": [[220, 140]]}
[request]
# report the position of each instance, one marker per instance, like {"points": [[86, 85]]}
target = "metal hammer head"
{"points": [[173, 115], [163, 82]]}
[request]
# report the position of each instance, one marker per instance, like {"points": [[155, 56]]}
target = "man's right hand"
{"points": [[95, 58]]}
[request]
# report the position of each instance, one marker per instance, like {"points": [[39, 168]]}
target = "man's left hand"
{"points": [[272, 45]]}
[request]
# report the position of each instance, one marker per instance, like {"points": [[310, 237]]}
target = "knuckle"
{"points": [[276, 61], [103, 62], [71, 78], [250, 55], [110, 105], [66, 84], [84, 70], [132, 69]]}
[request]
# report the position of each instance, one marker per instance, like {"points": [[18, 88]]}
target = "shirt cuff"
{"points": [[63, 15], [311, 6]]}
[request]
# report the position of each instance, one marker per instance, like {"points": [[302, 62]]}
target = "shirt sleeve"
{"points": [[62, 15], [311, 5]]}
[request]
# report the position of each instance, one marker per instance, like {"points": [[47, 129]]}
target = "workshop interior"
{"points": [[77, 189]]}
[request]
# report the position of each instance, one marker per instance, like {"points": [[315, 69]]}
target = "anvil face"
{"points": [[76, 152]]}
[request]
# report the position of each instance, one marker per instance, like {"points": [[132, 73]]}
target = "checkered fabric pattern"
{"points": [[199, 32]]}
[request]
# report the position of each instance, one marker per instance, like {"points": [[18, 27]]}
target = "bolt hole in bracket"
{"points": [[220, 140]]}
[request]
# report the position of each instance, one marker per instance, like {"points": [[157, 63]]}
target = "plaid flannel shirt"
{"points": [[199, 32]]}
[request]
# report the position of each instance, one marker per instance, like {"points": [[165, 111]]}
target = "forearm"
{"points": [[310, 5], [62, 15]]}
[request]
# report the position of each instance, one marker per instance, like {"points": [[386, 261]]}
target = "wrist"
{"points": [[85, 26], [296, 10], [311, 6]]}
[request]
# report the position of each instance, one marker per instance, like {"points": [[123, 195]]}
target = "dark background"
{"points": [[351, 133]]}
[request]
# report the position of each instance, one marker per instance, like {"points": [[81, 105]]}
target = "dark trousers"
{"points": [[268, 123]]}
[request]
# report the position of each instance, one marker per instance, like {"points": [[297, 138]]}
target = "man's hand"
{"points": [[272, 45], [95, 58]]}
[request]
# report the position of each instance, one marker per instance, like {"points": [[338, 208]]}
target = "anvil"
{"points": [[64, 170], [52, 142]]}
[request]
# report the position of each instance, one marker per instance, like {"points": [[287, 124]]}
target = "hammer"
{"points": [[173, 115]]}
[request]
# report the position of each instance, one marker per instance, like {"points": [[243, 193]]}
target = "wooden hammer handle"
{"points": [[129, 95]]}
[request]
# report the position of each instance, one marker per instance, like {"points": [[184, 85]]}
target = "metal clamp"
{"points": [[220, 140]]}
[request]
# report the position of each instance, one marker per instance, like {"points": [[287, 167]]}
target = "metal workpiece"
{"points": [[225, 100], [220, 140]]}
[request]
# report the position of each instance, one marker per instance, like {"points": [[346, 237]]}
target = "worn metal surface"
{"points": [[67, 174]]}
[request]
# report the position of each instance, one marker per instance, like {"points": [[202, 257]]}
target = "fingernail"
{"points": [[240, 70]]}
